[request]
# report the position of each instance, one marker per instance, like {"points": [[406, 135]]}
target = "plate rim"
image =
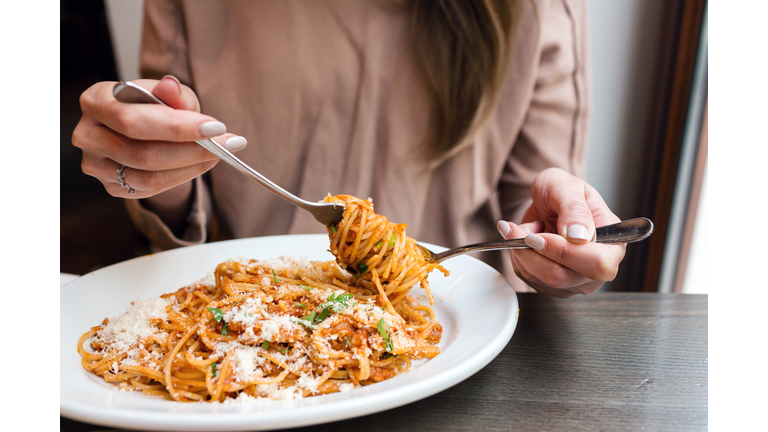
{"points": [[408, 392]]}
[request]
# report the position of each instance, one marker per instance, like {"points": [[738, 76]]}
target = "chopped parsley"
{"points": [[218, 315], [305, 288], [265, 344], [392, 240], [333, 229], [336, 303], [308, 321], [213, 370], [299, 305], [323, 315], [384, 331], [362, 267], [224, 329], [378, 245], [274, 277]]}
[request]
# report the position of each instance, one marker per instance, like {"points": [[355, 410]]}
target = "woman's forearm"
{"points": [[172, 206]]}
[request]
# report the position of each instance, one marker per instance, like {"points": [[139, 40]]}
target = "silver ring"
{"points": [[120, 177]]}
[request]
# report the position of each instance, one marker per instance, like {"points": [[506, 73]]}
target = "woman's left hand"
{"points": [[559, 226]]}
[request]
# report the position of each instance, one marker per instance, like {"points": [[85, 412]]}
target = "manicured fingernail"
{"points": [[212, 129], [176, 80], [579, 232], [535, 241], [235, 143], [503, 228]]}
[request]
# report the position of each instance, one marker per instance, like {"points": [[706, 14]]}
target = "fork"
{"points": [[628, 231], [326, 213]]}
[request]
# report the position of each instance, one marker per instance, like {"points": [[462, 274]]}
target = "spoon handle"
{"points": [[628, 231]]}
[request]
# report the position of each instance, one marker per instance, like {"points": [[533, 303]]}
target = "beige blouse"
{"points": [[327, 95]]}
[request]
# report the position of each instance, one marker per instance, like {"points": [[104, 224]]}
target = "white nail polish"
{"points": [[577, 231], [212, 129], [535, 241], [235, 143], [503, 228]]}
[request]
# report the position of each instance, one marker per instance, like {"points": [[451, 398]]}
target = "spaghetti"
{"points": [[378, 251], [278, 328]]}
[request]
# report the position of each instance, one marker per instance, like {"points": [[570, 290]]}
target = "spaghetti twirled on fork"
{"points": [[368, 245]]}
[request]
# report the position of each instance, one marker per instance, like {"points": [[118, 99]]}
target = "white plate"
{"points": [[476, 306]]}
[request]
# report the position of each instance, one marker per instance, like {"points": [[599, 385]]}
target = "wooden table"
{"points": [[607, 361]]}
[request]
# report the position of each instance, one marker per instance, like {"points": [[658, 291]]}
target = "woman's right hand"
{"points": [[154, 143]]}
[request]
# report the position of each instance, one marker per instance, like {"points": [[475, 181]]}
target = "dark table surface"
{"points": [[607, 361]]}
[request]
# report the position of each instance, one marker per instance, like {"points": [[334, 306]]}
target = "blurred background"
{"points": [[647, 152]]}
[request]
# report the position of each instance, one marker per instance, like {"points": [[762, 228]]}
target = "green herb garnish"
{"points": [[336, 303], [213, 370], [306, 323], [284, 350], [323, 315], [333, 229], [300, 305], [274, 276], [362, 267], [384, 331], [392, 240], [311, 317], [218, 315], [224, 329], [305, 288], [308, 320], [378, 245], [265, 344]]}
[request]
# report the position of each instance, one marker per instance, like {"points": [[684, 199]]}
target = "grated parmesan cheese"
{"points": [[273, 392], [307, 381], [125, 332], [246, 363], [209, 280]]}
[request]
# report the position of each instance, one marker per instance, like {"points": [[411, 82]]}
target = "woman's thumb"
{"points": [[574, 217], [168, 90]]}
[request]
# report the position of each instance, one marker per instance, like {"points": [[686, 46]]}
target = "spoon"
{"points": [[628, 231], [326, 213]]}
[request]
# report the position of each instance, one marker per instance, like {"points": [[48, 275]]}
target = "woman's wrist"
{"points": [[172, 206]]}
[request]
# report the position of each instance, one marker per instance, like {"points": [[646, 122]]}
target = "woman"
{"points": [[451, 115]]}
